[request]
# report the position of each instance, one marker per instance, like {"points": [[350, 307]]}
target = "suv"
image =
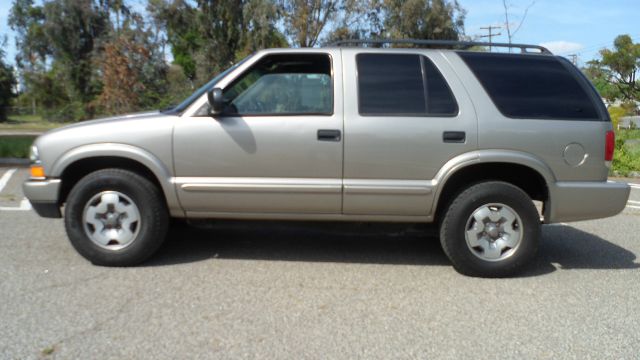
{"points": [[466, 140]]}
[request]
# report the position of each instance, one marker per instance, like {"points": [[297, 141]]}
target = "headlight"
{"points": [[34, 155]]}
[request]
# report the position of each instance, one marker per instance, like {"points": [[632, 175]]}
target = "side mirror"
{"points": [[216, 103]]}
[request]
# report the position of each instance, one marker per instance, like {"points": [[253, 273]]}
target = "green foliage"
{"points": [[615, 73], [7, 84], [15, 146], [82, 58], [420, 19], [615, 113], [627, 153]]}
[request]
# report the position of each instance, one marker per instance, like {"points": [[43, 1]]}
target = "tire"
{"points": [[126, 218], [491, 229]]}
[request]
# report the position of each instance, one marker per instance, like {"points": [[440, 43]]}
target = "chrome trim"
{"points": [[261, 185], [388, 187]]}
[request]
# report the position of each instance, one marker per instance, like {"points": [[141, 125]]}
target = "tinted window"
{"points": [[528, 86], [397, 84], [440, 100], [283, 84]]}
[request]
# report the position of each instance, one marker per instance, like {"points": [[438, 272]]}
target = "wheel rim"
{"points": [[493, 232], [111, 220]]}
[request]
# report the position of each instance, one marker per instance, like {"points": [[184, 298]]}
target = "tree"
{"points": [[622, 64], [599, 76], [615, 73], [74, 28], [178, 20], [306, 19], [122, 64], [423, 19], [260, 18], [57, 42], [357, 19], [507, 24], [208, 36], [7, 84]]}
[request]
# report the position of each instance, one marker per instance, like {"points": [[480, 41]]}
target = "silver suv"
{"points": [[466, 140]]}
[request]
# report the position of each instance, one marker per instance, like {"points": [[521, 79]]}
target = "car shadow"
{"points": [[561, 247], [567, 248]]}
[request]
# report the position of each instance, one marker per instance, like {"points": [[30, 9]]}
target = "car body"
{"points": [[346, 155]]}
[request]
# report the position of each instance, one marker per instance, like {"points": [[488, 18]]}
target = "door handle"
{"points": [[454, 136], [329, 135]]}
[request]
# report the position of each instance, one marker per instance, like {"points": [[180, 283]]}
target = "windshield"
{"points": [[206, 87]]}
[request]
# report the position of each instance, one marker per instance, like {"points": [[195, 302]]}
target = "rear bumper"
{"points": [[574, 201], [43, 195]]}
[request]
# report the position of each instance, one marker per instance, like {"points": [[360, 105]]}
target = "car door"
{"points": [[406, 115], [277, 147]]}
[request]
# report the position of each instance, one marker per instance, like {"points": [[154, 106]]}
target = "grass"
{"points": [[34, 123], [627, 156], [15, 146]]}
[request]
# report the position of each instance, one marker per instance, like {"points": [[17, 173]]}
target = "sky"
{"points": [[580, 27], [565, 27]]}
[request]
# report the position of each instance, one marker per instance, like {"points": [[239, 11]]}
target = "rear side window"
{"points": [[532, 87], [402, 85]]}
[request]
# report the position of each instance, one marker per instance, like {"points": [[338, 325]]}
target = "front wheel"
{"points": [[115, 217], [490, 230]]}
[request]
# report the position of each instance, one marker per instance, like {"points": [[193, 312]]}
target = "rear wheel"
{"points": [[490, 230], [115, 217]]}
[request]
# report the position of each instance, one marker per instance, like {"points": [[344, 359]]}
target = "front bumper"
{"points": [[576, 200], [43, 196]]}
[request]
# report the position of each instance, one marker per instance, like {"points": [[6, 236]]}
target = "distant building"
{"points": [[628, 122]]}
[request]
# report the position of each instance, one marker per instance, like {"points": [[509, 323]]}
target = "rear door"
{"points": [[406, 115]]}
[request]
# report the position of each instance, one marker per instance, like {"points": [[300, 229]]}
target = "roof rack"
{"points": [[463, 45]]}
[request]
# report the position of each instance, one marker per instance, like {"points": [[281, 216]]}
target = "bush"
{"points": [[72, 111], [15, 146], [627, 157]]}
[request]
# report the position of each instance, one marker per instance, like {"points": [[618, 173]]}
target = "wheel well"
{"points": [[524, 177], [81, 168]]}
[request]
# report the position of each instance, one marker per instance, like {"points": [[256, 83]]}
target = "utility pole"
{"points": [[491, 34], [574, 58]]}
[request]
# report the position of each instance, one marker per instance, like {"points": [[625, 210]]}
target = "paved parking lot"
{"points": [[275, 290]]}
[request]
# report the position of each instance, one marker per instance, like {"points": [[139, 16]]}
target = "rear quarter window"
{"points": [[532, 86]]}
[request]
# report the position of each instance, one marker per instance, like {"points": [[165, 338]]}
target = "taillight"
{"points": [[609, 145]]}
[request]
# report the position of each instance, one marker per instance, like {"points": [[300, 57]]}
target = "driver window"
{"points": [[283, 84]]}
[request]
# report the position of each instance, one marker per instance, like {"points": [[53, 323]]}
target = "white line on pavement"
{"points": [[5, 178], [635, 186], [633, 202], [633, 207], [25, 205]]}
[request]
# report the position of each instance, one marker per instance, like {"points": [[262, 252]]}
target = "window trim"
{"points": [[423, 58], [581, 83], [331, 74]]}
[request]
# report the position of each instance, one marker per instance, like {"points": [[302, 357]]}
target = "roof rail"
{"points": [[524, 48]]}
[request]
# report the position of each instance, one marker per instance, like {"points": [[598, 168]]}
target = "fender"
{"points": [[155, 165], [490, 156]]}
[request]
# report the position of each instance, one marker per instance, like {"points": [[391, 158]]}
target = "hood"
{"points": [[109, 120]]}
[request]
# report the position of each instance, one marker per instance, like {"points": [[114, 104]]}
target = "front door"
{"points": [[277, 147]]}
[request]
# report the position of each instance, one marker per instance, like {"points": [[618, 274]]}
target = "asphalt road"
{"points": [[294, 291]]}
